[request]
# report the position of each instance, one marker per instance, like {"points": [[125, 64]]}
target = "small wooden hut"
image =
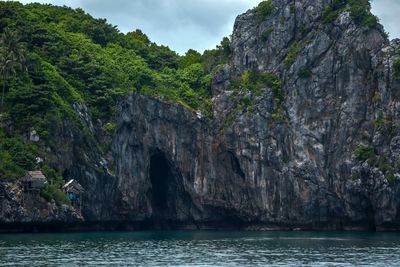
{"points": [[74, 191], [33, 181]]}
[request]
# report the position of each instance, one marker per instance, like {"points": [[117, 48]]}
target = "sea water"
{"points": [[201, 248]]}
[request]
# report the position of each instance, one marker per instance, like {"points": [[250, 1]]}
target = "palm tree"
{"points": [[12, 57]]}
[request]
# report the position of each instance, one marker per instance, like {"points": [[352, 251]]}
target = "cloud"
{"points": [[196, 24], [388, 12], [180, 24]]}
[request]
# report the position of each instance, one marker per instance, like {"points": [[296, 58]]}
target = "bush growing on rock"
{"points": [[363, 152], [360, 12], [264, 9], [304, 73], [396, 69], [294, 50], [266, 33]]}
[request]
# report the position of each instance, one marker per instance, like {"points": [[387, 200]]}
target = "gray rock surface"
{"points": [[326, 157], [254, 169], [22, 207]]}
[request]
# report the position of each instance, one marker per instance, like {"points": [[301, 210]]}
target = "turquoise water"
{"points": [[201, 248]]}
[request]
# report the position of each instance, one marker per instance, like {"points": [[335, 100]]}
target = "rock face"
{"points": [[17, 206], [318, 148], [249, 166]]}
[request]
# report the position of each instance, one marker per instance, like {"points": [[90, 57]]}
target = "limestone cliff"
{"points": [[291, 162], [304, 134]]}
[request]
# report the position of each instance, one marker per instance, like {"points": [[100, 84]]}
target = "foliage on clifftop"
{"points": [[360, 11], [70, 57]]}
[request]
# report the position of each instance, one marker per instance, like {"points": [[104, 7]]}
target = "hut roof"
{"points": [[74, 186], [35, 176]]}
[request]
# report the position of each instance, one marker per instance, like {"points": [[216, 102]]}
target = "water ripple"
{"points": [[195, 248]]}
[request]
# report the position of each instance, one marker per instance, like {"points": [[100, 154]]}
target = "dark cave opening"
{"points": [[166, 195], [170, 203], [161, 179]]}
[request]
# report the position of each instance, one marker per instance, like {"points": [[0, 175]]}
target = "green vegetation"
{"points": [[264, 9], [304, 73], [294, 50], [221, 55], [380, 159], [333, 10], [391, 178], [303, 29], [292, 8], [279, 98], [15, 156], [387, 168], [253, 82], [52, 190], [384, 165], [12, 58], [385, 126], [109, 127], [360, 11], [364, 152], [396, 69], [266, 33], [52, 58], [376, 98]]}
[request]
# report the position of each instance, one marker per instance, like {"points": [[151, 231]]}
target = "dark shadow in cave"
{"points": [[168, 198], [160, 177]]}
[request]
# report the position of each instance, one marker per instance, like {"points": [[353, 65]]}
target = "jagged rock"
{"points": [[254, 169], [34, 136], [17, 206], [287, 164]]}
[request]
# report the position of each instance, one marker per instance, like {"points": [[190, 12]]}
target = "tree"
{"points": [[191, 57], [12, 57]]}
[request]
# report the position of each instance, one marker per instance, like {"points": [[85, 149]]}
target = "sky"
{"points": [[195, 24]]}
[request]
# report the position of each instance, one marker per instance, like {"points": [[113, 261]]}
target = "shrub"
{"points": [[396, 69], [385, 126], [360, 12], [51, 191], [266, 33], [8, 169], [16, 156], [279, 115], [304, 73], [264, 9], [254, 81], [383, 164], [245, 103], [333, 10], [391, 178], [364, 152], [109, 127], [294, 50]]}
